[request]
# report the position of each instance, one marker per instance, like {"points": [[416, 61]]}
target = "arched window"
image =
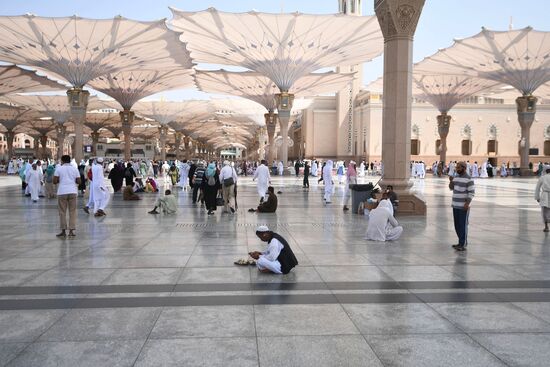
{"points": [[27, 144], [415, 146], [466, 147], [492, 147], [547, 147]]}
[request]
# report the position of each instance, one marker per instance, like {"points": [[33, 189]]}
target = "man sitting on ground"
{"points": [[278, 258], [382, 224], [268, 206], [128, 194], [167, 204]]}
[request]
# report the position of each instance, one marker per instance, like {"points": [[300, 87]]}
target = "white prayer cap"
{"points": [[262, 229], [99, 160], [226, 163]]}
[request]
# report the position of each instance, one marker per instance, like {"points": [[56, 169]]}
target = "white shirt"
{"points": [[226, 172], [67, 179], [274, 248], [378, 224]]}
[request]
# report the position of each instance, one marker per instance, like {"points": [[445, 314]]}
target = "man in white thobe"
{"points": [[100, 191], [475, 170], [382, 224], [422, 166], [327, 179], [164, 173], [184, 174], [264, 179], [542, 196], [483, 172], [314, 168], [33, 178], [280, 168]]}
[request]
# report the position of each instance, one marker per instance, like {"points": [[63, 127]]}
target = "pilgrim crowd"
{"points": [[211, 185]]}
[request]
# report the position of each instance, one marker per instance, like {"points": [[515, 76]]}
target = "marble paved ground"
{"points": [[140, 290]]}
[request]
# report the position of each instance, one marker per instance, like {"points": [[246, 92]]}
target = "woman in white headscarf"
{"points": [[280, 168], [327, 179]]}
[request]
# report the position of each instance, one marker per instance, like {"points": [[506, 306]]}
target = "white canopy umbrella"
{"points": [[519, 58], [283, 47], [78, 50], [128, 87]]}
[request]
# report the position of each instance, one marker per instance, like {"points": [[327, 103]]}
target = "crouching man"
{"points": [[278, 258], [382, 224], [167, 204]]}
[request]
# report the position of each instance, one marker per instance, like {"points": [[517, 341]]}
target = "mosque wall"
{"points": [[477, 123]]}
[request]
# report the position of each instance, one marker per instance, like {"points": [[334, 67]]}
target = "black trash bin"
{"points": [[359, 194]]}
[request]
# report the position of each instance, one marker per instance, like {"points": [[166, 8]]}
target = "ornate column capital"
{"points": [[398, 18], [526, 107], [126, 118]]}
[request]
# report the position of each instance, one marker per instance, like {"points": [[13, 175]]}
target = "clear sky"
{"points": [[440, 23]]}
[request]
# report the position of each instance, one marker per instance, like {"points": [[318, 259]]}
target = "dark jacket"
{"points": [[286, 257], [270, 205]]}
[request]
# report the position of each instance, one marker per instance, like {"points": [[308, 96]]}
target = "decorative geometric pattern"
{"points": [[78, 50], [283, 47]]}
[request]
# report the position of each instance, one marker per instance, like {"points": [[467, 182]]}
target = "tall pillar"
{"points": [[526, 107], [178, 137], [61, 132], [44, 143], [284, 106], [95, 141], [187, 147], [10, 136], [127, 120], [270, 126], [443, 124], [78, 101], [261, 143], [163, 132], [398, 20], [36, 145]]}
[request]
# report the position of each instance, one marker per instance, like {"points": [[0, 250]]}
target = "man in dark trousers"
{"points": [[463, 192], [278, 258], [306, 175]]}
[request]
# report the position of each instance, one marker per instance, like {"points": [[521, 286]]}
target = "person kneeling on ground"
{"points": [[138, 185], [167, 204], [268, 206], [278, 258], [150, 185], [128, 194], [382, 224]]}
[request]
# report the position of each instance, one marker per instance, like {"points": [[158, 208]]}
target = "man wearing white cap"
{"points": [[100, 191], [278, 258]]}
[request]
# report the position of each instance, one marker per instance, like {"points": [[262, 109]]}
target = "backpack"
{"points": [[211, 181]]}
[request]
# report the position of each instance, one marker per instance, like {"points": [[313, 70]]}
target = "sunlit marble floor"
{"points": [[140, 290]]}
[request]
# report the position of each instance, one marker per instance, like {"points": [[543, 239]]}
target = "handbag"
{"points": [[219, 201], [228, 182]]}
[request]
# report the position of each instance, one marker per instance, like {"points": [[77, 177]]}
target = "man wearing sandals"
{"points": [[542, 196], [67, 177], [278, 258]]}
